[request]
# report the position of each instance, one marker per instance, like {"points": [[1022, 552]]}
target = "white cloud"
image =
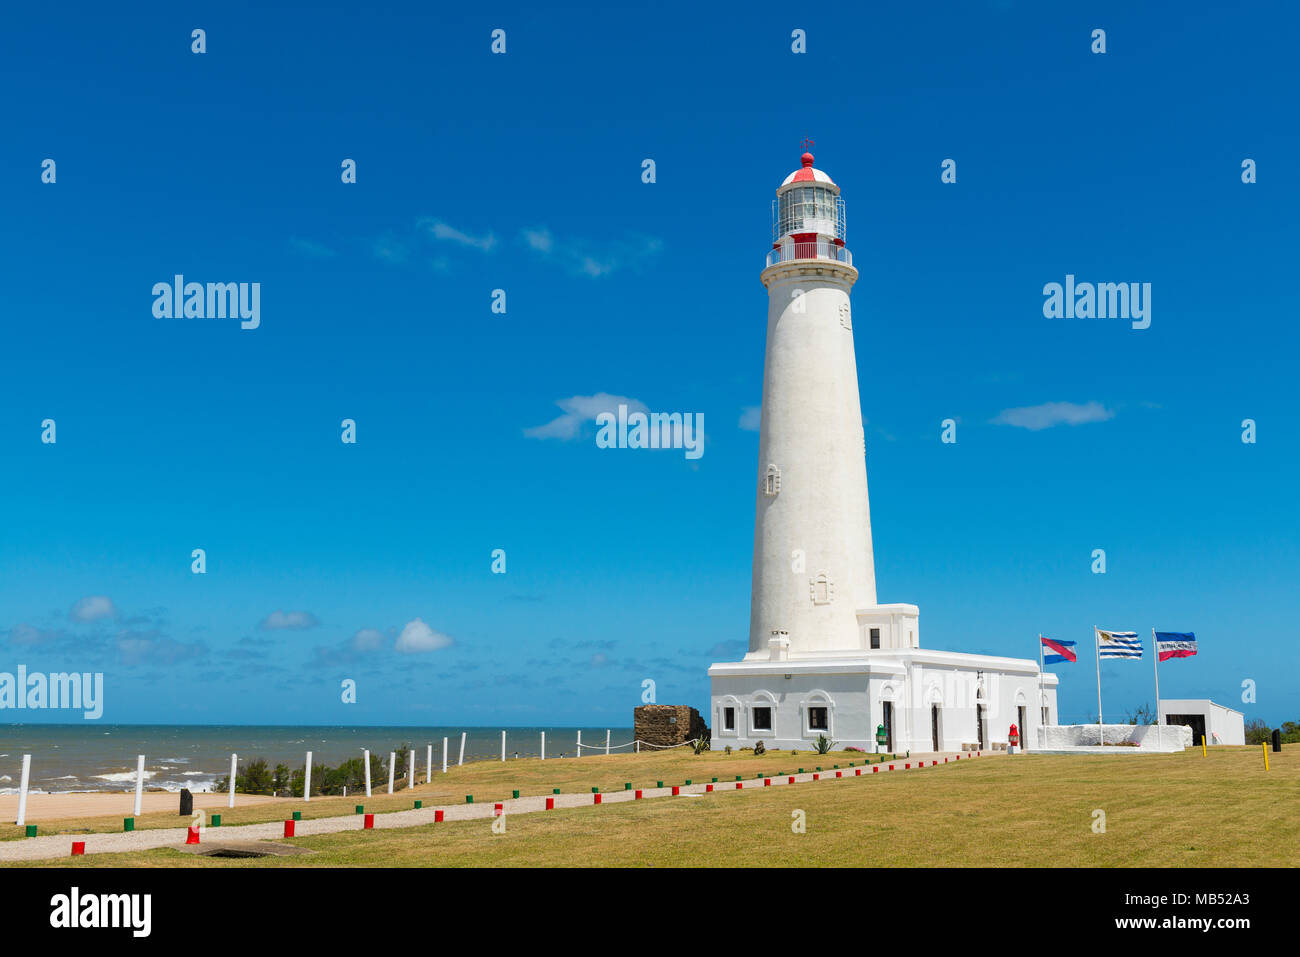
{"points": [[368, 639], [93, 608], [751, 417], [440, 230], [417, 637], [292, 620], [1036, 417], [591, 258], [580, 409]]}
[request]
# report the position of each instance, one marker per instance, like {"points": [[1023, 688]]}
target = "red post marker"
{"points": [[817, 777], [497, 809], [891, 767], [288, 828], [739, 785], [945, 760], [369, 823], [791, 781], [933, 763], [857, 773], [907, 767], [192, 835], [839, 774], [876, 769], [597, 797], [78, 847], [676, 791], [638, 793], [767, 782], [708, 789], [437, 817], [550, 804]]}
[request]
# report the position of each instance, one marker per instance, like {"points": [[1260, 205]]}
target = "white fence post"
{"points": [[462, 749], [543, 745], [410, 772], [638, 745], [233, 769], [22, 790], [306, 780], [139, 782], [392, 769], [607, 742], [444, 755], [503, 745], [428, 764], [366, 758], [579, 752]]}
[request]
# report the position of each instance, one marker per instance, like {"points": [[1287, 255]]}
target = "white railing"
{"points": [[788, 252]]}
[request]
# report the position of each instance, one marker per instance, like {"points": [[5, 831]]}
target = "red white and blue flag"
{"points": [[1175, 644], [1055, 650]]}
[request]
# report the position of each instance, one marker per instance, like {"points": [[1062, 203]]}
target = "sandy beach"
{"points": [[52, 807]]}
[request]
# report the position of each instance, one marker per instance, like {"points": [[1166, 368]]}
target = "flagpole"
{"points": [[1040, 681], [1155, 667], [1096, 644]]}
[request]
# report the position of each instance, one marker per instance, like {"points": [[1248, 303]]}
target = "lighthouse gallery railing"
{"points": [[818, 250]]}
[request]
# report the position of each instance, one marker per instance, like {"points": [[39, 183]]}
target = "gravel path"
{"points": [[60, 845]]}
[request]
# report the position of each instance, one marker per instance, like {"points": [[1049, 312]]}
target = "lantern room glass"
{"points": [[810, 209]]}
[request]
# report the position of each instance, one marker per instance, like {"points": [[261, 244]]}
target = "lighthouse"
{"points": [[824, 657], [813, 566]]}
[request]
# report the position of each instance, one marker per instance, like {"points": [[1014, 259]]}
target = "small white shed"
{"points": [[1219, 724]]}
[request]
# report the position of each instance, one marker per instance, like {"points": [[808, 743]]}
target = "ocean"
{"points": [[93, 757]]}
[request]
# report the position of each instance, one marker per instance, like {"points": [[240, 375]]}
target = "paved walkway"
{"points": [[60, 845]]}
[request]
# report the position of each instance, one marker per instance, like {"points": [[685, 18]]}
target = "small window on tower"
{"points": [[875, 637], [729, 719], [772, 481], [823, 590], [844, 317]]}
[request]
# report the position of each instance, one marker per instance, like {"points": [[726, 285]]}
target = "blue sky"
{"points": [[522, 172]]}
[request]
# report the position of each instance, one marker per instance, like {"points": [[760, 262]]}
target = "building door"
{"points": [[934, 727], [1196, 721], [889, 726], [1024, 731], [979, 725]]}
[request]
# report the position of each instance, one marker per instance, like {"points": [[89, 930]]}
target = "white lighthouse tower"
{"points": [[823, 656]]}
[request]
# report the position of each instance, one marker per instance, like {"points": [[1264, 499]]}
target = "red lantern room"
{"points": [[808, 217]]}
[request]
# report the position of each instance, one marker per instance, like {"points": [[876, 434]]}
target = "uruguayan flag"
{"points": [[1118, 644]]}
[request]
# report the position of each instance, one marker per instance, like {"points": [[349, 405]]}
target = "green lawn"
{"points": [[1180, 810]]}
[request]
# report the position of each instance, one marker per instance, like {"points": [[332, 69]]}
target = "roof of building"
{"points": [[806, 173]]}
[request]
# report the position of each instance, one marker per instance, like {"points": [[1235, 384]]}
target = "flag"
{"points": [[1118, 644], [1175, 644], [1054, 651]]}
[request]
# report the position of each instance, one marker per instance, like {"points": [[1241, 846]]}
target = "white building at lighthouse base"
{"points": [[926, 700]]}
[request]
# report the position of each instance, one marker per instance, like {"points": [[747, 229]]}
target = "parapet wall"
{"points": [[1151, 737]]}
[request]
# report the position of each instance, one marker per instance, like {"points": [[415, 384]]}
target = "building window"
{"points": [[875, 637], [762, 719], [822, 589], [1045, 721], [772, 480], [817, 719], [729, 719]]}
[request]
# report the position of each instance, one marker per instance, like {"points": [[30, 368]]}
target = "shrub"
{"points": [[728, 749], [823, 744], [759, 748]]}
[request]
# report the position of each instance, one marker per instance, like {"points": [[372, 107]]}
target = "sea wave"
{"points": [[123, 776]]}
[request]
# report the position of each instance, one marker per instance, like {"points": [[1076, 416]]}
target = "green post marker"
{"points": [[627, 785], [31, 830], [688, 780], [128, 824], [418, 805], [216, 820], [595, 790], [715, 780], [738, 777], [835, 767], [555, 790], [361, 809], [819, 767], [514, 793], [659, 784], [469, 799], [801, 770], [297, 815]]}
